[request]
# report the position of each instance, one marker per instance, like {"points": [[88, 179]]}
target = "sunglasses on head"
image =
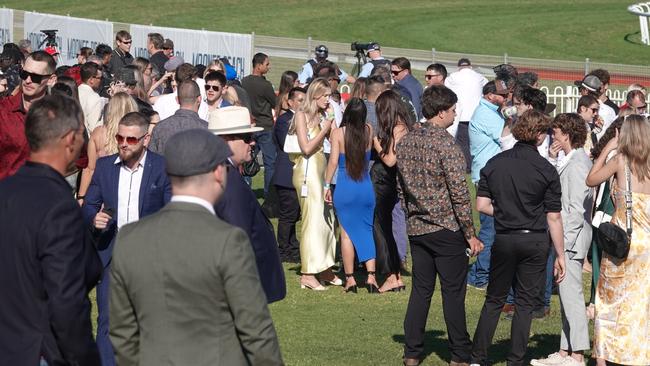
{"points": [[130, 140], [213, 87], [36, 78]]}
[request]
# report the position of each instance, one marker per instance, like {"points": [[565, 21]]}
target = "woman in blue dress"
{"points": [[354, 198]]}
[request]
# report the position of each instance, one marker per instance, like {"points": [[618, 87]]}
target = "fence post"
{"points": [[433, 55], [568, 101], [505, 58], [309, 47], [586, 65]]}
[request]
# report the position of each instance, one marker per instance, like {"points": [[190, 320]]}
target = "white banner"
{"points": [[72, 33], [6, 26], [198, 46]]}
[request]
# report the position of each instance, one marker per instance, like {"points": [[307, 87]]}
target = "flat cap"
{"points": [[194, 152]]}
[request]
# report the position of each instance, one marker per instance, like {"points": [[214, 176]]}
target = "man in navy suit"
{"points": [[289, 207], [239, 206], [47, 260], [401, 70], [125, 187]]}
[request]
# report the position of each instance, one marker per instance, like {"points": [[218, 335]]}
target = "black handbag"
{"points": [[610, 237]]}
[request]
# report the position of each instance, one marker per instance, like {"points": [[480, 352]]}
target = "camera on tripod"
{"points": [[359, 47], [50, 38]]}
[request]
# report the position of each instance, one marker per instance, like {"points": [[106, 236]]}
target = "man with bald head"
{"points": [[185, 118]]}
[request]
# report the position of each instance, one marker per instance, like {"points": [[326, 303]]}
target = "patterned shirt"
{"points": [[434, 190]]}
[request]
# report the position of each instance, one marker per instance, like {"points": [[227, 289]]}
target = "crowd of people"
{"points": [[132, 176]]}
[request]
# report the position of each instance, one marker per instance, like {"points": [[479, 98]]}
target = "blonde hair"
{"points": [[635, 146], [119, 105], [215, 62], [317, 88]]}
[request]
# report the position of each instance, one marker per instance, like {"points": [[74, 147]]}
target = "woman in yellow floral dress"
{"points": [[622, 321]]}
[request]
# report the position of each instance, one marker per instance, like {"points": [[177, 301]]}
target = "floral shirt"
{"points": [[434, 190]]}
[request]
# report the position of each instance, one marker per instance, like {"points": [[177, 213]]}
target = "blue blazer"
{"points": [[238, 206], [283, 173], [155, 192]]}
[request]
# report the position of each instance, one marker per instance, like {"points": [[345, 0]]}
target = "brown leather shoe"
{"points": [[508, 308], [454, 363], [411, 361]]}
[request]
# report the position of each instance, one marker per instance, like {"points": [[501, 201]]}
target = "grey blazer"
{"points": [[576, 204], [185, 291]]}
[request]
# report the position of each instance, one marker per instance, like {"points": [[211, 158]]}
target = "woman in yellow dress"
{"points": [[622, 319], [311, 124]]}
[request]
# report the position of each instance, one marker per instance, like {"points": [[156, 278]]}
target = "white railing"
{"points": [[566, 97], [643, 11]]}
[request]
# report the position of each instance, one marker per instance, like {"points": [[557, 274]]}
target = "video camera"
{"points": [[50, 38], [359, 47]]}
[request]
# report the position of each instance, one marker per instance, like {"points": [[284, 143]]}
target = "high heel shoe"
{"points": [[312, 287], [335, 282], [352, 288], [372, 288]]}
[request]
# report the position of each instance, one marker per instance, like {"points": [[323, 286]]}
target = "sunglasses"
{"points": [[248, 138], [36, 78], [395, 72], [641, 107], [130, 140], [429, 77], [213, 87], [127, 42], [167, 48]]}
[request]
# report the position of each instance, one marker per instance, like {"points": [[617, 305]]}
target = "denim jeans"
{"points": [[479, 272], [264, 142]]}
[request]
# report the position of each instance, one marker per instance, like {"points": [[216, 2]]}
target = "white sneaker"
{"points": [[554, 359], [570, 361]]}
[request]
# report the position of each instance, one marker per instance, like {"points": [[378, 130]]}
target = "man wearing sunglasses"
{"points": [[401, 70], [121, 53], [125, 187], [36, 76], [215, 86], [239, 205]]}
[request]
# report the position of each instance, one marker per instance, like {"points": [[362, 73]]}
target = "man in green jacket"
{"points": [[184, 284]]}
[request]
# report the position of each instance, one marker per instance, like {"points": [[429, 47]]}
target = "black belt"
{"points": [[524, 231]]}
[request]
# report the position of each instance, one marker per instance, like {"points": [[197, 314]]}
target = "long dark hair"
{"points": [[391, 111], [355, 138], [286, 81], [609, 134]]}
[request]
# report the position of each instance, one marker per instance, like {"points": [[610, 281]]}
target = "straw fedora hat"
{"points": [[230, 121]]}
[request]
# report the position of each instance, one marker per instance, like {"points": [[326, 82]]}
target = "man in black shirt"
{"points": [[155, 43], [522, 191], [121, 56], [263, 101]]}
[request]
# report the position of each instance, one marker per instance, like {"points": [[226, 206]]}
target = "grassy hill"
{"points": [[602, 30]]}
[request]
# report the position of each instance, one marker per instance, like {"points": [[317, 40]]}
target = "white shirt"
{"points": [[91, 105], [195, 200], [167, 105], [468, 86], [338, 118], [128, 192]]}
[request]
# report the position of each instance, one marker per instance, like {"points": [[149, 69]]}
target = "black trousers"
{"points": [[288, 215], [518, 260], [462, 139], [439, 254]]}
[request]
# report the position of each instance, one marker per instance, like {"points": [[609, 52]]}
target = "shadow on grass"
{"points": [[634, 38], [539, 346]]}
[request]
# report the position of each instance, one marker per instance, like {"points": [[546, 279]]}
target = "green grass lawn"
{"points": [[602, 30], [334, 328]]}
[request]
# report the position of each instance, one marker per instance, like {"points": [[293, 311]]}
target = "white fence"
{"points": [[566, 97]]}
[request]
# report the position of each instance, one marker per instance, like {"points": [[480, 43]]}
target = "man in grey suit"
{"points": [[185, 118], [184, 285], [569, 135]]}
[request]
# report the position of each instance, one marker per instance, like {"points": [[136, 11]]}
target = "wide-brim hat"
{"points": [[230, 121]]}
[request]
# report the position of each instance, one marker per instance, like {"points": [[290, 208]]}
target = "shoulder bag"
{"points": [[610, 237]]}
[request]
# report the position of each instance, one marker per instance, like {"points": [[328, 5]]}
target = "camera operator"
{"points": [[374, 52], [307, 73]]}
